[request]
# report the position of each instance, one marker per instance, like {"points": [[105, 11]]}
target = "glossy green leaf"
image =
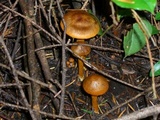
{"points": [[156, 69], [157, 16], [151, 28], [134, 41], [148, 5], [154, 30], [148, 26]]}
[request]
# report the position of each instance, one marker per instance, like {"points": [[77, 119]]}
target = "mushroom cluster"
{"points": [[80, 25], [95, 85]]}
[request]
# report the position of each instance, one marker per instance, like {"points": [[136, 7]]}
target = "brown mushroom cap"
{"points": [[95, 85], [80, 24], [80, 49]]}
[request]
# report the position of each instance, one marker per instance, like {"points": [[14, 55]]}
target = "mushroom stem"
{"points": [[82, 51], [81, 64], [81, 69], [95, 104]]}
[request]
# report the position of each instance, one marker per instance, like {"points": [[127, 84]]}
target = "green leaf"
{"points": [[148, 27], [156, 69], [100, 32], [124, 12], [86, 111], [147, 5], [154, 30], [134, 41], [151, 28], [157, 16]]}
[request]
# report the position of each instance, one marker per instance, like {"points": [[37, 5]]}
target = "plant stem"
{"points": [[145, 31]]}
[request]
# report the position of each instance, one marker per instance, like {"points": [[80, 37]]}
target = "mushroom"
{"points": [[95, 85], [70, 63], [82, 51], [80, 25]]}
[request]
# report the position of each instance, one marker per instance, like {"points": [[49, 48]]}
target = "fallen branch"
{"points": [[143, 113]]}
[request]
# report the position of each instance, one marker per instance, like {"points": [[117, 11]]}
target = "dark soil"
{"points": [[34, 64]]}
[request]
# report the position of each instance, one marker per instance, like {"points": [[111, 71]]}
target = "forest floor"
{"points": [[37, 80]]}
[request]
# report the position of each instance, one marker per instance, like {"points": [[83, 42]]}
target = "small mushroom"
{"points": [[95, 85], [80, 25], [82, 51], [70, 63]]}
